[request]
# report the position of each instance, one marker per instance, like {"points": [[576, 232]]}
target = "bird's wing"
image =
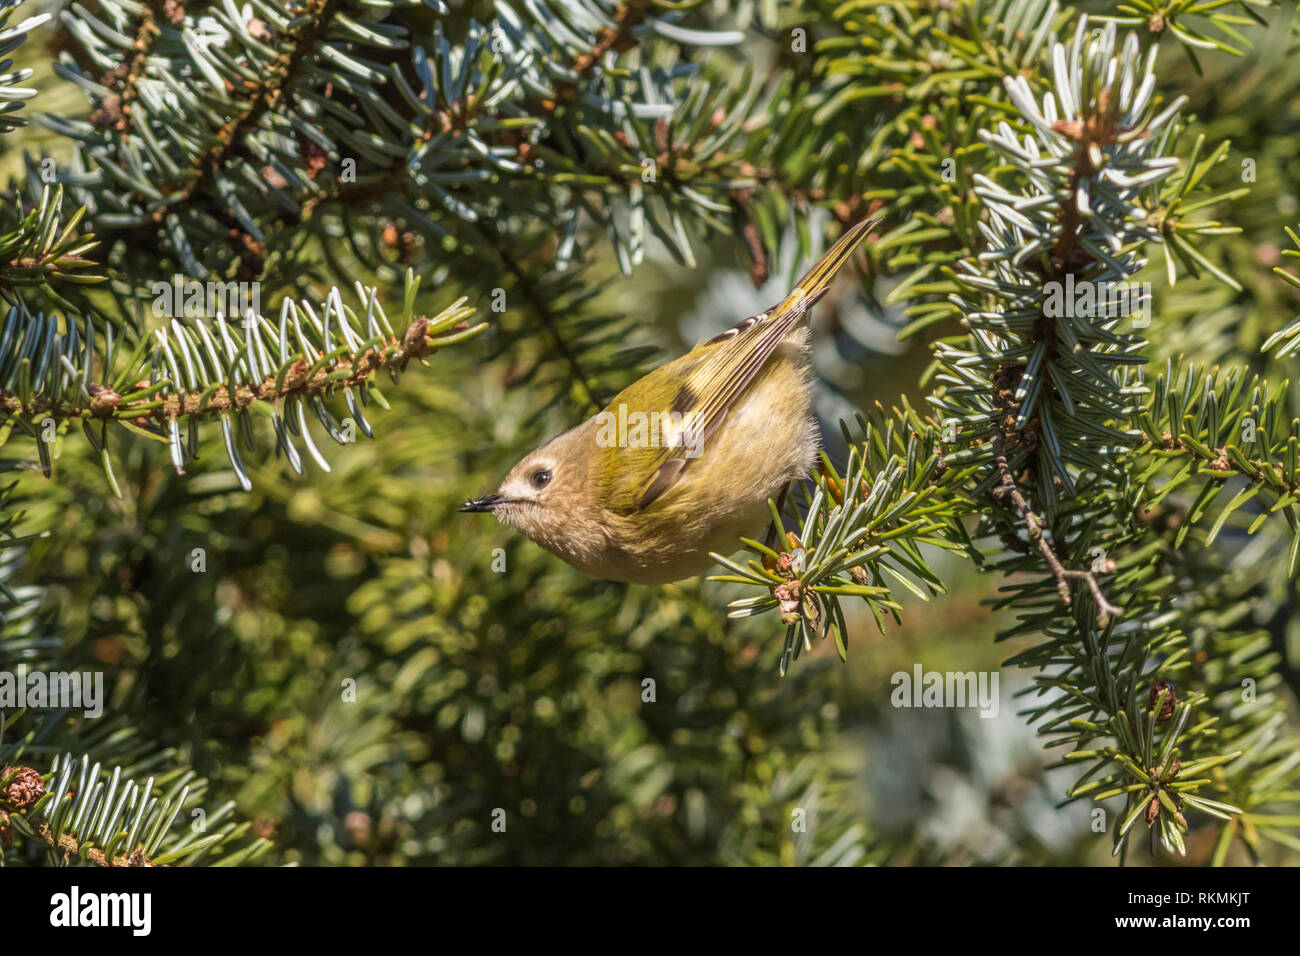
{"points": [[723, 367]]}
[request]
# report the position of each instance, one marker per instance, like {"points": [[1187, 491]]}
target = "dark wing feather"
{"points": [[730, 361]]}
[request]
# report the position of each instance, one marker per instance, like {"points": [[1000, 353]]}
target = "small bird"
{"points": [[683, 461]]}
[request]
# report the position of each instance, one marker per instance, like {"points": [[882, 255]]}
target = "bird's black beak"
{"points": [[480, 505]]}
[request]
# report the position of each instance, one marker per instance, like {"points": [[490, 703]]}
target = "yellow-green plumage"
{"points": [[770, 438], [651, 512]]}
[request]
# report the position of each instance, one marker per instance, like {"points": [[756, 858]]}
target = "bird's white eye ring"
{"points": [[540, 478]]}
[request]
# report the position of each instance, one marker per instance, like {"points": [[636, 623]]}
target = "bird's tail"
{"points": [[818, 279]]}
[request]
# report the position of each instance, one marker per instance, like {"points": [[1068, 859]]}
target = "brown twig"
{"points": [[302, 378], [70, 847], [114, 111], [1008, 491], [262, 97]]}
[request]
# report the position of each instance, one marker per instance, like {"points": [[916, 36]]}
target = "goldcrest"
{"points": [[683, 461]]}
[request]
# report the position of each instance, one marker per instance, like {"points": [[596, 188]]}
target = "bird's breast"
{"points": [[768, 439]]}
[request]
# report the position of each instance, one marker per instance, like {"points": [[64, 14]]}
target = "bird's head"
{"points": [[548, 495]]}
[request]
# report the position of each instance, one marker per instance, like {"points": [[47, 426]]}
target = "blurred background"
{"points": [[356, 673]]}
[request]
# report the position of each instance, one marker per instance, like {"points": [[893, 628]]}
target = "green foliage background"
{"points": [[521, 690]]}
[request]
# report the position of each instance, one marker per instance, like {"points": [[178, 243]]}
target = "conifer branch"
{"points": [[1007, 492], [187, 373], [542, 309]]}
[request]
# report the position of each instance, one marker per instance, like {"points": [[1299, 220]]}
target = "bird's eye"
{"points": [[540, 478]]}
